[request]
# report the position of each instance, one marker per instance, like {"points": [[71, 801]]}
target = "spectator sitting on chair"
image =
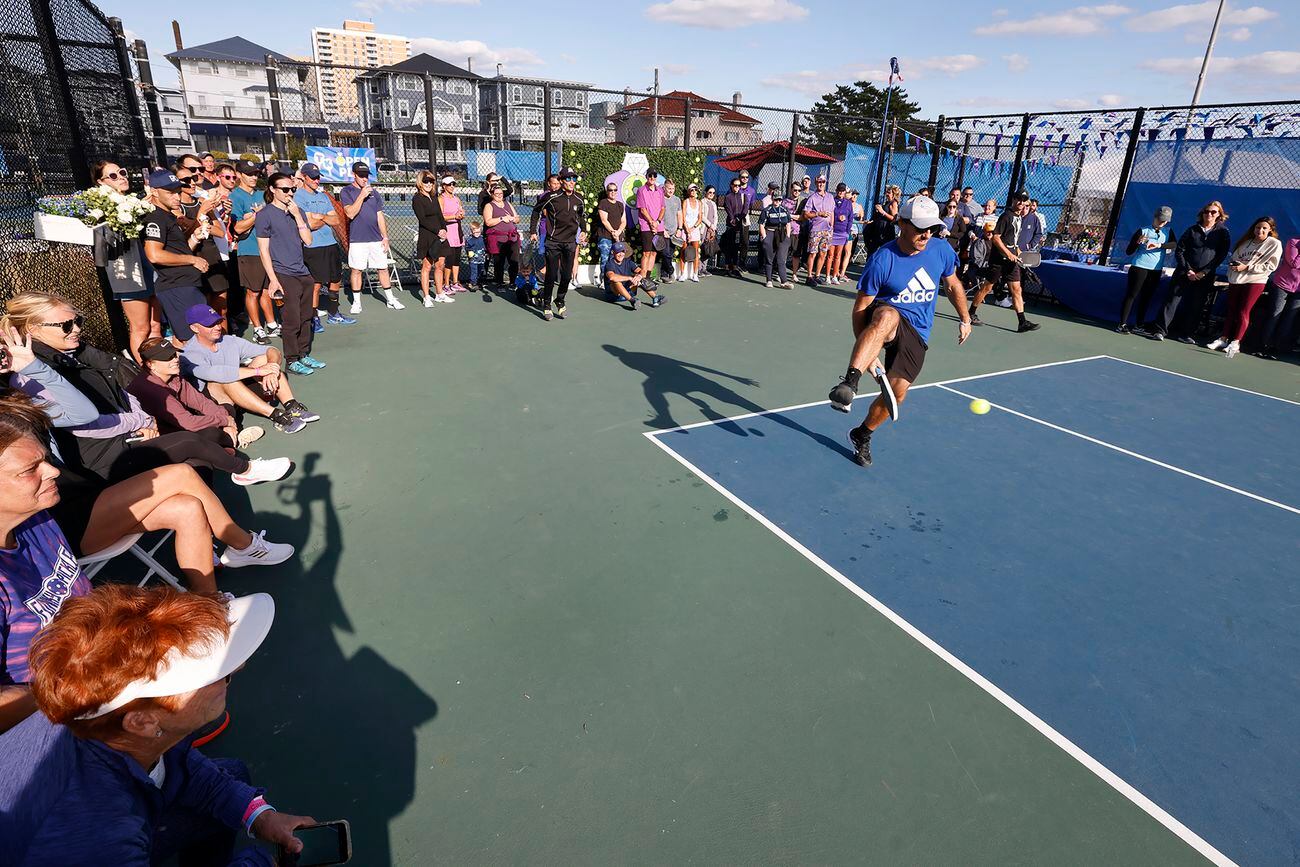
{"points": [[367, 235], [282, 236], [123, 679], [1199, 253], [177, 405], [178, 269], [623, 278], [238, 373]]}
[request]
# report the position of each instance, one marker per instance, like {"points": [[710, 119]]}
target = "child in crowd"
{"points": [[526, 284], [475, 256]]}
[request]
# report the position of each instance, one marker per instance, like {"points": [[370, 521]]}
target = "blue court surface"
{"points": [[1111, 552]]}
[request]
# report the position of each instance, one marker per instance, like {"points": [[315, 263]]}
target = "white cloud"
{"points": [[1241, 34], [455, 51], [1110, 100], [1275, 63], [1079, 21], [725, 14], [372, 7], [1016, 62], [817, 82], [1173, 17]]}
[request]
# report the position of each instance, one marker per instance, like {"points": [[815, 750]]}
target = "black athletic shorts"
{"points": [[648, 242], [324, 263], [175, 302], [450, 255], [1009, 270], [251, 273], [217, 279], [905, 354]]}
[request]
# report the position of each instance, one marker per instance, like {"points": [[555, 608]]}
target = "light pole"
{"points": [[1205, 63]]}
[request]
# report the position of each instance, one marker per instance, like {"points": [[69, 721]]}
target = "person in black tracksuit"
{"points": [[1200, 252], [564, 214]]}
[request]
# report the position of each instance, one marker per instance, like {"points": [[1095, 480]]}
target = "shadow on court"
{"points": [[666, 376], [328, 733]]}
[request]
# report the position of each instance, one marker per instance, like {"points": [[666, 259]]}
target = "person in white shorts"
{"points": [[367, 235]]}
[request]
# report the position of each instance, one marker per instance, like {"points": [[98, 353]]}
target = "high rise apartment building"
{"points": [[355, 44]]}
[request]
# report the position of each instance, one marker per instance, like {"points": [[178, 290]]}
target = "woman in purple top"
{"points": [[502, 221], [841, 223]]}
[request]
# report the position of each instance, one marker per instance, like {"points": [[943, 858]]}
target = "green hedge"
{"points": [[594, 163]]}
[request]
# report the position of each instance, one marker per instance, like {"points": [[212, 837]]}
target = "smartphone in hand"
{"points": [[323, 844]]}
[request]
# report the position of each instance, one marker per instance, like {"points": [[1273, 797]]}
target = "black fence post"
{"points": [[934, 158], [961, 164], [128, 82], [430, 135], [43, 15], [1121, 188], [546, 127], [1019, 163], [280, 135], [141, 52], [794, 142], [686, 125]]}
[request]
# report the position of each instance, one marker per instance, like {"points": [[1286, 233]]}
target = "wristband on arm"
{"points": [[256, 807]]}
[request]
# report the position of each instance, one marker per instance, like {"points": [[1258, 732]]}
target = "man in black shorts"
{"points": [[904, 275], [179, 271], [1004, 262], [322, 256]]}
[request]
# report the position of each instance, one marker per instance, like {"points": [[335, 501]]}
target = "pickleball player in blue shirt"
{"points": [[904, 277]]}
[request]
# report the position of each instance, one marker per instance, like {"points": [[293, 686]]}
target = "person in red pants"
{"points": [[1256, 256]]}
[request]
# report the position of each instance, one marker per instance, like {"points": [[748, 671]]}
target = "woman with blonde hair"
{"points": [[432, 237], [1255, 256], [1200, 252]]}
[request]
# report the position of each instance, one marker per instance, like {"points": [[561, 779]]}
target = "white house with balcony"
{"points": [[514, 109], [395, 119], [227, 97]]}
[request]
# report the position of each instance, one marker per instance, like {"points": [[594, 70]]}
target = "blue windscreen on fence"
{"points": [[515, 165], [1251, 177]]}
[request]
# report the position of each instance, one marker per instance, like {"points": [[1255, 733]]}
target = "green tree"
{"points": [[851, 113]]}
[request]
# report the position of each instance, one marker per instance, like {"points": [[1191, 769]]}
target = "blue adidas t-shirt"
{"points": [[910, 284]]}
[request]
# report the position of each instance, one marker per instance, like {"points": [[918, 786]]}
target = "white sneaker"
{"points": [[681, 278], [695, 278], [1216, 343], [1005, 302], [444, 298], [393, 304], [262, 470], [428, 301], [1232, 349], [259, 553], [768, 284], [356, 306], [248, 436]]}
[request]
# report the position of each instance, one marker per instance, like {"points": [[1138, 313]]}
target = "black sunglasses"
{"points": [[284, 189], [67, 325]]}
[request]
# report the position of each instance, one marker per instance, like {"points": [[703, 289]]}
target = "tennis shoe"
{"points": [[300, 368], [262, 470], [561, 312], [428, 301], [1027, 326], [1216, 344], [1232, 349], [258, 553], [340, 319], [298, 409], [286, 422], [861, 442], [975, 319], [636, 302], [658, 301], [842, 396], [248, 436]]}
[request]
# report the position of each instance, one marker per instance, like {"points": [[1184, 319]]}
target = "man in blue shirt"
{"points": [[322, 255], [282, 234], [367, 235], [245, 201], [904, 276]]}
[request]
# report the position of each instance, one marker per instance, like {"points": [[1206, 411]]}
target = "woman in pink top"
{"points": [[1278, 333], [453, 211]]}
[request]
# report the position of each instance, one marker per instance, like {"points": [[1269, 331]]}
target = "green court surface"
{"points": [[519, 633]]}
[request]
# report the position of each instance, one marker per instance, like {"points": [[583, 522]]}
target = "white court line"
{"points": [[1206, 381], [1132, 454], [706, 423], [1073, 750]]}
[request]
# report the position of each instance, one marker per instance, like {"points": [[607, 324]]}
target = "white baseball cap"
{"points": [[187, 669], [922, 212]]}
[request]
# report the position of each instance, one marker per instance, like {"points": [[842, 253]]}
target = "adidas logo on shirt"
{"points": [[920, 289]]}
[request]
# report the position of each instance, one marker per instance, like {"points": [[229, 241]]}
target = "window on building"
{"points": [[557, 98], [374, 88], [440, 84], [731, 136], [701, 135], [261, 101], [540, 94], [407, 82], [213, 69], [517, 95], [403, 108], [241, 71], [582, 98], [467, 113]]}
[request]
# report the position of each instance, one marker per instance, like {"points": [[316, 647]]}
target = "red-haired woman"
{"points": [[1256, 256], [126, 676]]}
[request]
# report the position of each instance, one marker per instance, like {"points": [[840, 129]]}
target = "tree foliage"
{"points": [[851, 113]]}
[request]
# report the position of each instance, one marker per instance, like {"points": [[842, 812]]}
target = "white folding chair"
{"points": [[372, 278], [91, 564]]}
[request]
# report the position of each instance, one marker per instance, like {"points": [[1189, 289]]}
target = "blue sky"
{"points": [[958, 58]]}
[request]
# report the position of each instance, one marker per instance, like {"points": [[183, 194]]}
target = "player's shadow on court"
{"points": [[329, 732], [666, 376]]}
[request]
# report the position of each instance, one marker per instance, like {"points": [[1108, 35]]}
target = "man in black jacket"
{"points": [[1200, 252], [563, 212]]}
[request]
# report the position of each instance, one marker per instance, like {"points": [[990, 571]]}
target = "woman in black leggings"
{"points": [[1147, 249], [502, 239]]}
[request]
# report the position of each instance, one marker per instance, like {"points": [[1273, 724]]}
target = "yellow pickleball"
{"points": [[979, 406]]}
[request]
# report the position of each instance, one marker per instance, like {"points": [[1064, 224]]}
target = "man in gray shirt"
{"points": [[672, 214]]}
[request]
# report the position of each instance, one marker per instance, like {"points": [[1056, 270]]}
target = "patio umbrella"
{"points": [[773, 152]]}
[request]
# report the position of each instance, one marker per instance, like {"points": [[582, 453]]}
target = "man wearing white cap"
{"points": [[130, 674], [904, 275]]}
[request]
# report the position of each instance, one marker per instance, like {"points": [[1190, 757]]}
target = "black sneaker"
{"points": [[286, 422], [975, 319], [1028, 326], [1123, 329], [636, 302], [297, 409], [842, 396], [861, 443], [887, 392], [1188, 339]]}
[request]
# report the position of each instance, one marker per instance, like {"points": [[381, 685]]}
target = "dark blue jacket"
{"points": [[68, 802]]}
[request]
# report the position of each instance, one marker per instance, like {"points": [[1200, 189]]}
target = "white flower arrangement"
{"points": [[124, 214]]}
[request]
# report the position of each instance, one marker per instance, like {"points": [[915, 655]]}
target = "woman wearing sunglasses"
{"points": [[132, 288], [430, 239], [1200, 252]]}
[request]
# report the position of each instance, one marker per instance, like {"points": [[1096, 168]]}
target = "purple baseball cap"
{"points": [[202, 314]]}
